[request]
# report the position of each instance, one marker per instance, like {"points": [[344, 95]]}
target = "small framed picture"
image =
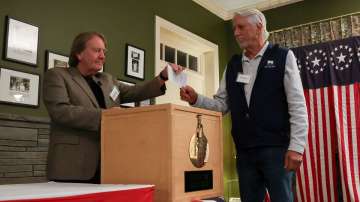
{"points": [[130, 104], [21, 42], [135, 62], [19, 88], [56, 60]]}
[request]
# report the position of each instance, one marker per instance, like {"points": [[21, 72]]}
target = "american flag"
{"points": [[330, 73]]}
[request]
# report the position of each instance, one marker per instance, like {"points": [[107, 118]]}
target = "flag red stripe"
{"points": [[349, 103], [357, 121], [354, 144], [331, 115], [305, 166], [299, 188], [326, 147], [317, 145], [312, 146], [334, 138], [342, 154]]}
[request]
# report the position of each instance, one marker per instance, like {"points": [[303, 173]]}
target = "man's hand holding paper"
{"points": [[176, 75]]}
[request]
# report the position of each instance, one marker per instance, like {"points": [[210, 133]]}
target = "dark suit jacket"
{"points": [[75, 119]]}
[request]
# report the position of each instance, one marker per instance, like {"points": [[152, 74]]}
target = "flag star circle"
{"points": [[316, 61], [341, 57]]}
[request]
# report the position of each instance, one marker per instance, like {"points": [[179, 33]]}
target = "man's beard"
{"points": [[243, 44]]}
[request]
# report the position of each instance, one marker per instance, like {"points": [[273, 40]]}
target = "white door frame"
{"points": [[206, 45]]}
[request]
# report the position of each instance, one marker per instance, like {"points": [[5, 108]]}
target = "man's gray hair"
{"points": [[255, 16]]}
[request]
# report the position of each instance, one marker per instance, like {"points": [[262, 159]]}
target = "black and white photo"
{"points": [[19, 88], [135, 62], [56, 60]]}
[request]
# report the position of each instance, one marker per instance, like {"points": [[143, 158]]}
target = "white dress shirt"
{"points": [[293, 90]]}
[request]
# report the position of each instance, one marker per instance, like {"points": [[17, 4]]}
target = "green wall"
{"points": [[125, 21]]}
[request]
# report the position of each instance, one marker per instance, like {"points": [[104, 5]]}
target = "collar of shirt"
{"points": [[258, 55]]}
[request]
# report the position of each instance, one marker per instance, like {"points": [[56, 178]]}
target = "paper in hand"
{"points": [[178, 79]]}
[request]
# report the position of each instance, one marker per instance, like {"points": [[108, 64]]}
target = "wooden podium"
{"points": [[150, 145]]}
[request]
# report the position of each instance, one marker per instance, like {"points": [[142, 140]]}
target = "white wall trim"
{"points": [[204, 45], [227, 14], [162, 23]]}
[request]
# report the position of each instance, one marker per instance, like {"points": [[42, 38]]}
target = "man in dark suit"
{"points": [[75, 98]]}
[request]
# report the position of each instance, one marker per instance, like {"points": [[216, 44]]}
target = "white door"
{"points": [[199, 56]]}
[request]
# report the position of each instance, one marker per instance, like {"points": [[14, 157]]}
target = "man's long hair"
{"points": [[79, 44]]}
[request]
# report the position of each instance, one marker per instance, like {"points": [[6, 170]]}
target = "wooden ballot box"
{"points": [[158, 145]]}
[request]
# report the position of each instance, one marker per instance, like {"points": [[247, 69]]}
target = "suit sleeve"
{"points": [[58, 103], [141, 91]]}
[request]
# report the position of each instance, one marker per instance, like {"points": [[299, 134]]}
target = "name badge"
{"points": [[243, 78], [114, 93]]}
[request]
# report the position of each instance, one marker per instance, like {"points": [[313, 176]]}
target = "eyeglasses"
{"points": [[99, 50]]}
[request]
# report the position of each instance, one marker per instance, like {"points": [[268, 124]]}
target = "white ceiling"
{"points": [[226, 8]]}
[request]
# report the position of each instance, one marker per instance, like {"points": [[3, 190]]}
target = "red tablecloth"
{"points": [[75, 192]]}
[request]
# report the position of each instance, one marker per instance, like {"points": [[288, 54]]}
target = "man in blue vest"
{"points": [[262, 90]]}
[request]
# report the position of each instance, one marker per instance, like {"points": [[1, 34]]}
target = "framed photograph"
{"points": [[21, 42], [56, 60], [19, 88], [130, 104], [135, 62]]}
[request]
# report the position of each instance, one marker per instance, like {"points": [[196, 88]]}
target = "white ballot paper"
{"points": [[179, 79]]}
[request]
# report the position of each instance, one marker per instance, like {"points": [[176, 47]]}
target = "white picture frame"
{"points": [[56, 60], [19, 88], [21, 42]]}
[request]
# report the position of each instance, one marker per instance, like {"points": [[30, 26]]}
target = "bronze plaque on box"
{"points": [[199, 147]]}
